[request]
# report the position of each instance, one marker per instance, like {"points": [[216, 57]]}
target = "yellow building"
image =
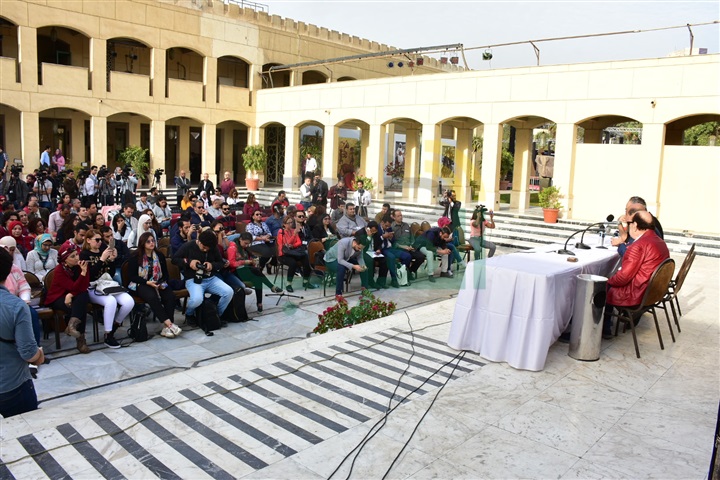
{"points": [[184, 79]]}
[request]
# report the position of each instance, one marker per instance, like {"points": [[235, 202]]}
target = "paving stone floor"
{"points": [[300, 407]]}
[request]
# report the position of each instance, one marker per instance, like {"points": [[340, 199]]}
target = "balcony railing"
{"points": [[64, 80], [129, 86]]}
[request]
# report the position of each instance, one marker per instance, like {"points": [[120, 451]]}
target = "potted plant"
{"points": [[507, 162], [254, 161], [549, 200], [137, 158]]}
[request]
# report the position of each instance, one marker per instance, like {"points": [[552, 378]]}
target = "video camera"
{"points": [[16, 169], [103, 171], [158, 172]]}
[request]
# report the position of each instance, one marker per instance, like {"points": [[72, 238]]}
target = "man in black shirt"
{"points": [[200, 262]]}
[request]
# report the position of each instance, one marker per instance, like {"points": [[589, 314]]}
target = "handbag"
{"points": [[296, 252], [105, 285], [402, 275]]}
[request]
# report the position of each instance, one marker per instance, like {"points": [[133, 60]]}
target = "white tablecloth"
{"points": [[512, 308]]}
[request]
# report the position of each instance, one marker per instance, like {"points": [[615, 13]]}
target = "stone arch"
{"points": [[11, 138], [128, 55], [311, 136], [183, 63], [353, 134], [346, 79], [8, 38], [230, 141], [459, 163], [233, 71], [400, 156], [609, 129], [125, 129], [312, 77], [276, 79], [67, 128], [184, 146], [676, 130], [59, 45]]}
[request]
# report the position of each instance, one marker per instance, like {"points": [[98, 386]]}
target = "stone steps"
{"points": [[513, 229]]}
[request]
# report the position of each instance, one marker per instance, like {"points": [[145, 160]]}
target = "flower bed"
{"points": [[341, 316]]}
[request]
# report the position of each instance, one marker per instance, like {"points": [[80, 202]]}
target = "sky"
{"points": [[410, 24]]}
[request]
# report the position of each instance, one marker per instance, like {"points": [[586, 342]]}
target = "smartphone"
{"points": [[111, 245], [164, 285]]}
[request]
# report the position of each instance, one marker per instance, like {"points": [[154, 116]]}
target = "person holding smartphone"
{"points": [[148, 277]]}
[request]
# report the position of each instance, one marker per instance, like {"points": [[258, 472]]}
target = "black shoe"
{"points": [[268, 267], [110, 341], [431, 279], [289, 289], [394, 283], [310, 286], [607, 335], [191, 320]]}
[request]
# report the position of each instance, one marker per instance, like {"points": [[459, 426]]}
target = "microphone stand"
{"points": [[583, 245], [565, 250]]}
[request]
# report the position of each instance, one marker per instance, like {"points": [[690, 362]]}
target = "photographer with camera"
{"points": [[200, 262], [478, 224], [452, 208], [106, 186], [159, 172], [43, 189], [70, 185], [14, 189]]}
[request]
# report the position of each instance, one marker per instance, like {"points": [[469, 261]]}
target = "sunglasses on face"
{"points": [[98, 239], [299, 216]]}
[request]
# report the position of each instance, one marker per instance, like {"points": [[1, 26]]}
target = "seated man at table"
{"points": [[627, 287], [635, 204]]}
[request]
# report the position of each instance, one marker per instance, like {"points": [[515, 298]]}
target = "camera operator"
{"points": [[106, 186], [452, 208], [200, 261], [43, 189], [15, 190], [70, 185], [478, 224], [129, 185], [90, 187]]}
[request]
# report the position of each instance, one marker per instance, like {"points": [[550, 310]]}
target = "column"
{"points": [[98, 67], [256, 136], [77, 139], [209, 134], [254, 79], [490, 173], [295, 78], [412, 156], [98, 140], [228, 134], [183, 143], [653, 140], [463, 164], [364, 149], [158, 73], [157, 151], [564, 170], [210, 80], [429, 165], [30, 138], [290, 177], [373, 162], [134, 131], [520, 196], [27, 58], [330, 154], [13, 137]]}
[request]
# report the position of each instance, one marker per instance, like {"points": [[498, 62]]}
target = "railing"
{"points": [[185, 92], [258, 7], [64, 79], [129, 86]]}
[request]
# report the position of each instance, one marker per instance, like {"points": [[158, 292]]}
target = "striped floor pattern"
{"points": [[232, 427]]}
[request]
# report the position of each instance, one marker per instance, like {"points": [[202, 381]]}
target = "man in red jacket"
{"points": [[643, 256]]}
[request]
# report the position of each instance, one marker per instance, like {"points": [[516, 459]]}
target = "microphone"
{"points": [[565, 250], [582, 245]]}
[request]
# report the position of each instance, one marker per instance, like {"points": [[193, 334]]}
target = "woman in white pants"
{"points": [[100, 260]]}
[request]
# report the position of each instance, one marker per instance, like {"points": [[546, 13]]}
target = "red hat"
{"points": [[300, 207]]}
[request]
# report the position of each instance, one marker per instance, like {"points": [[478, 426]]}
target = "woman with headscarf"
{"points": [[59, 160], [144, 225], [203, 196], [69, 292], [24, 242], [117, 306], [155, 225], [43, 257], [9, 244]]}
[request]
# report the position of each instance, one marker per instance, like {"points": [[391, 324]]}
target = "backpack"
{"points": [[235, 311], [138, 327], [208, 318]]}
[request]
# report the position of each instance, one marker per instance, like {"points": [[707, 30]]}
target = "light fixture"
{"points": [[420, 61], [390, 64], [411, 64], [401, 64], [487, 54]]}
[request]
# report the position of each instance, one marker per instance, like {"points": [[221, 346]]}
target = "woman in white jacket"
{"points": [[43, 258], [144, 225]]}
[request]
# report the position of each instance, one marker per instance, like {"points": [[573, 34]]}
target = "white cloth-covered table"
{"points": [[518, 307]]}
